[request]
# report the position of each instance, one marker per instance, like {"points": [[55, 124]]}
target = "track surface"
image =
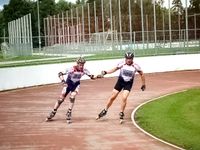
{"points": [[23, 113]]}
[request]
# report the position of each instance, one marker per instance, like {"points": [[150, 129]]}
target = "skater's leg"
{"points": [[71, 105], [61, 98], [125, 95], [57, 104], [110, 101], [112, 98], [72, 100]]}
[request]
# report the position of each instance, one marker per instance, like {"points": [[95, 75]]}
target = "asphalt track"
{"points": [[23, 113]]}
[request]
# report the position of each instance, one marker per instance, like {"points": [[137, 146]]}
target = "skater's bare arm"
{"points": [[143, 87], [110, 71], [61, 76], [91, 76]]}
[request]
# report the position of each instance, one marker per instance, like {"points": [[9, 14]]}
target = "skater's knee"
{"points": [[73, 94], [60, 101], [62, 96], [125, 94], [72, 99]]}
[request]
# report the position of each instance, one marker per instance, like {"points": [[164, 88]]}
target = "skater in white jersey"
{"points": [[125, 81], [71, 85]]}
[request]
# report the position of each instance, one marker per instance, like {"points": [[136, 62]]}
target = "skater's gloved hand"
{"points": [[143, 87], [103, 73], [60, 74], [92, 77], [100, 76]]}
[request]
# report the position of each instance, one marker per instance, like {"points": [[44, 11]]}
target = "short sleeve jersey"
{"points": [[127, 72], [75, 75]]}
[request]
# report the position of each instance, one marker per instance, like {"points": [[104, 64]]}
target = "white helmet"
{"points": [[80, 60], [129, 55]]}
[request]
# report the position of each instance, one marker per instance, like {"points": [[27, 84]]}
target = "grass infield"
{"points": [[98, 55], [174, 118]]}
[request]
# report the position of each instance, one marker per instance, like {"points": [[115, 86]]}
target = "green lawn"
{"points": [[174, 118], [23, 58], [97, 55]]}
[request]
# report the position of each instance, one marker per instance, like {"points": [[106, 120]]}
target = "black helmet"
{"points": [[129, 55], [80, 60]]}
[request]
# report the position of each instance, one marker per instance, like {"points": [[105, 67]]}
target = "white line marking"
{"points": [[133, 120]]}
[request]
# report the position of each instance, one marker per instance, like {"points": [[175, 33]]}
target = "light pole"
{"points": [[38, 14]]}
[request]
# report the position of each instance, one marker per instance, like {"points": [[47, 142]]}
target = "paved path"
{"points": [[23, 111]]}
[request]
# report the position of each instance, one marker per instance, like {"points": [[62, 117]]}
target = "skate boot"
{"points": [[101, 114], [51, 115], [69, 116], [121, 117]]}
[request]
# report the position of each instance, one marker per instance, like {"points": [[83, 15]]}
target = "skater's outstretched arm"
{"points": [[109, 71], [61, 77], [93, 77], [143, 87]]}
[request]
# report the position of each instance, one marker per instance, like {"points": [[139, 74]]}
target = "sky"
{"points": [[3, 2]]}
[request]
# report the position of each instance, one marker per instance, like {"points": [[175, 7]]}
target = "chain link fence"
{"points": [[101, 43], [111, 26]]}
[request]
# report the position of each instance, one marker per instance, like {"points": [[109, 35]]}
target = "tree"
{"points": [[194, 6], [177, 14], [62, 6], [90, 1], [46, 7], [177, 7], [16, 9], [2, 26], [160, 3], [82, 2]]}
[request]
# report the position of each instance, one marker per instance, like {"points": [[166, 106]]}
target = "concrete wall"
{"points": [[18, 77]]}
